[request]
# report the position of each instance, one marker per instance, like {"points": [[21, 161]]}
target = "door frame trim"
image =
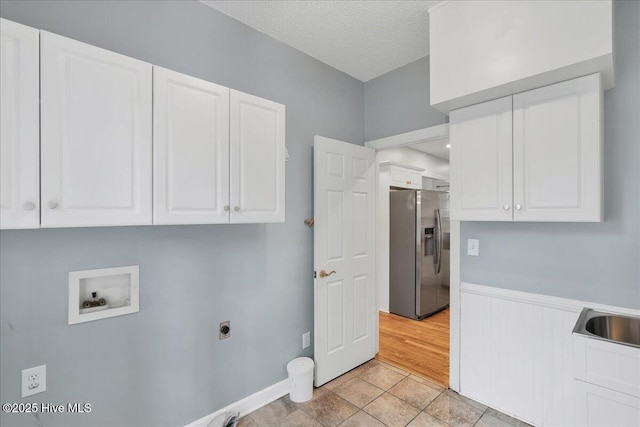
{"points": [[432, 133], [409, 138]]}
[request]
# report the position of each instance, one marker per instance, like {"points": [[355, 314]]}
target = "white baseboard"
{"points": [[248, 404]]}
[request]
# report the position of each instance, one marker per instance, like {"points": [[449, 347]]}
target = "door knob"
{"points": [[28, 206], [226, 208], [236, 208], [505, 207], [53, 204], [518, 206], [324, 274]]}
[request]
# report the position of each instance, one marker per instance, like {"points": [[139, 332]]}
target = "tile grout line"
{"points": [[430, 403], [405, 375], [386, 367]]}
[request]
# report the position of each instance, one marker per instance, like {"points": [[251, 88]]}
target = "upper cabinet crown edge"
{"points": [[473, 56]]}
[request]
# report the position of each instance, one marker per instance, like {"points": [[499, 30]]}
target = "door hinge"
{"points": [[314, 275]]}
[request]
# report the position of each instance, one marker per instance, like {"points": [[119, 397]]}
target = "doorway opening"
{"points": [[413, 248]]}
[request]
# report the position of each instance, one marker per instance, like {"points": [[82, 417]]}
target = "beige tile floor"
{"points": [[376, 395]]}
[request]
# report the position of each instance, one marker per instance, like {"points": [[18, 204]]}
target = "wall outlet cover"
{"points": [[34, 380]]}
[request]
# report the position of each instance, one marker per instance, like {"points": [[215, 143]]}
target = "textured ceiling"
{"points": [[365, 39]]}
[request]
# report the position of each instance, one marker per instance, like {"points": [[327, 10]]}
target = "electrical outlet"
{"points": [[34, 380], [473, 247], [225, 329], [306, 339]]}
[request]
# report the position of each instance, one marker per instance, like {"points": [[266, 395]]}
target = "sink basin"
{"points": [[609, 327]]}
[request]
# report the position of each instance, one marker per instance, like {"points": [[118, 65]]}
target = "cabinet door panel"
{"points": [[598, 406], [557, 152], [256, 159], [405, 178], [399, 177], [19, 126], [191, 150], [96, 136], [481, 164]]}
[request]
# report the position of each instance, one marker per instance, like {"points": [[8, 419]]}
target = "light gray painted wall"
{"points": [[593, 262], [165, 365], [398, 102]]}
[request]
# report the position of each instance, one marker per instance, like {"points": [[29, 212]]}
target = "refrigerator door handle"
{"points": [[440, 243], [436, 243]]}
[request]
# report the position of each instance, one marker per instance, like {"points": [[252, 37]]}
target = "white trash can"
{"points": [[300, 379]]}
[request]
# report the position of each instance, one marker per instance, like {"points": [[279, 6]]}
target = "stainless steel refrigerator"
{"points": [[419, 252]]}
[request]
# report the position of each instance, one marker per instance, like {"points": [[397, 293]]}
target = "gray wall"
{"points": [[165, 365], [398, 102], [593, 262]]}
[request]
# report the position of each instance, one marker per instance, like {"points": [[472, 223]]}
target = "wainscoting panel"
{"points": [[516, 352]]}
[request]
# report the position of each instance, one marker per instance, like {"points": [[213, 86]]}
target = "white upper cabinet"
{"points": [[483, 50], [77, 150], [96, 136], [557, 150], [19, 126], [257, 159], [553, 157], [481, 149], [191, 150], [405, 177]]}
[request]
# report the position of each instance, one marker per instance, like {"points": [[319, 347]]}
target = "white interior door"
{"points": [[345, 321]]}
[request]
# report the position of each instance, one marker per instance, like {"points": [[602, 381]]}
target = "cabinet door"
{"points": [[405, 178], [557, 144], [415, 180], [598, 406], [190, 150], [96, 136], [481, 181], [19, 126], [256, 159]]}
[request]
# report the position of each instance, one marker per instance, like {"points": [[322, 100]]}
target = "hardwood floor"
{"points": [[418, 346]]}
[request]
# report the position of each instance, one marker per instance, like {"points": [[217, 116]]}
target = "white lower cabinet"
{"points": [[257, 159], [19, 126], [606, 383], [190, 150], [533, 156], [96, 136], [601, 407]]}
